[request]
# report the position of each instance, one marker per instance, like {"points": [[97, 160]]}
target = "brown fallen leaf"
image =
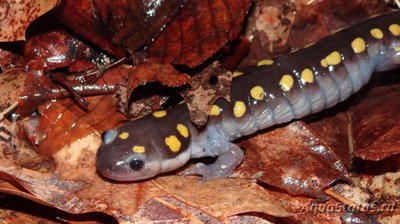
{"points": [[207, 86], [53, 49], [225, 197], [292, 158], [11, 83], [376, 135], [336, 133], [63, 122], [9, 59], [17, 15]]}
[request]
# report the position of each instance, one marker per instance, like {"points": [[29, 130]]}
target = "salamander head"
{"points": [[139, 150]]}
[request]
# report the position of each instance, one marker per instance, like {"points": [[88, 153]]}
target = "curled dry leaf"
{"points": [[152, 71], [292, 158], [17, 15], [146, 72], [207, 86], [53, 49]]}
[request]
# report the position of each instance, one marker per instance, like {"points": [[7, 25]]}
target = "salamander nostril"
{"points": [[136, 164]]}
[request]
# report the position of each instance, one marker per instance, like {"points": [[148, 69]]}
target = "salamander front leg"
{"points": [[229, 157]]}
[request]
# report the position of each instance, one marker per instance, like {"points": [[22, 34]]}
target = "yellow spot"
{"points": [[286, 82], [124, 135], [307, 76], [265, 62], [358, 45], [394, 29], [173, 143], [181, 102], [397, 49], [236, 74], [333, 58], [239, 109], [376, 33], [324, 63], [138, 149], [215, 110], [257, 92], [183, 130], [160, 113]]}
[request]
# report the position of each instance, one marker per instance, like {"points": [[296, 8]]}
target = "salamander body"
{"points": [[275, 91]]}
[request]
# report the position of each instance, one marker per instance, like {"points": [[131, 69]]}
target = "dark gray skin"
{"points": [[294, 86]]}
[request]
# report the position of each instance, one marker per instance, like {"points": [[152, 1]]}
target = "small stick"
{"points": [[7, 110]]}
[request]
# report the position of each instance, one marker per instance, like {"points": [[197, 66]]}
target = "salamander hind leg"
{"points": [[229, 157]]}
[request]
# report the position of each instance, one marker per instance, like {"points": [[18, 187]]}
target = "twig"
{"points": [[7, 110]]}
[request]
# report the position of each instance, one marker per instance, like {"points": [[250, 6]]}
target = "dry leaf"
{"points": [[17, 15]]}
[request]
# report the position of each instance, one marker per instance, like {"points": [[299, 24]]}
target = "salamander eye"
{"points": [[136, 164]]}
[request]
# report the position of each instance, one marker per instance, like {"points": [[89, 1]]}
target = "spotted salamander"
{"points": [[273, 92]]}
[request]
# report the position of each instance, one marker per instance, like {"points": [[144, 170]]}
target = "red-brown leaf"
{"points": [[152, 71], [63, 121], [84, 18], [143, 21], [292, 158], [376, 124], [53, 49], [199, 30]]}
